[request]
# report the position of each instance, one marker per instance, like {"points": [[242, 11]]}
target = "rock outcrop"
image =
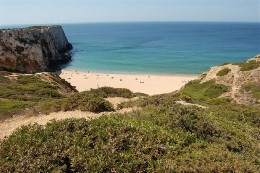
{"points": [[237, 77], [33, 49]]}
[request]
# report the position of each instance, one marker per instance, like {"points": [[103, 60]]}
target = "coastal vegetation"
{"points": [[223, 72], [84, 101], [160, 138], [253, 88], [195, 90], [106, 92], [22, 92], [248, 65], [210, 134], [46, 93]]}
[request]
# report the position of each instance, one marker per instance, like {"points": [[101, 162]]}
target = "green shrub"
{"points": [[24, 91], [223, 72], [156, 100], [116, 92], [31, 92], [79, 146], [84, 101], [218, 101], [203, 91], [250, 65], [4, 80], [253, 88], [11, 107], [28, 88]]}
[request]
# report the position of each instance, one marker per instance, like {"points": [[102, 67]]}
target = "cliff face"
{"points": [[33, 49]]}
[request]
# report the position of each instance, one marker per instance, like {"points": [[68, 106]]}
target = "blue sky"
{"points": [[78, 11]]}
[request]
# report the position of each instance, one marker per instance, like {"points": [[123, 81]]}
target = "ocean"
{"points": [[160, 47]]}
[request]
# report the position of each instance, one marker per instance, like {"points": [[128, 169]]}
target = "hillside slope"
{"points": [[242, 78], [214, 134]]}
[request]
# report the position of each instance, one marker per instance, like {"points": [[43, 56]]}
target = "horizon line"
{"points": [[104, 22]]}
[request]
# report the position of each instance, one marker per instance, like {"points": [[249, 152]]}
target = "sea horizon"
{"points": [[3, 26]]}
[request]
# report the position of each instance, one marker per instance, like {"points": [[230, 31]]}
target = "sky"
{"points": [[83, 11]]}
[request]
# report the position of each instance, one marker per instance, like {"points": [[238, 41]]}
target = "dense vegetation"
{"points": [[162, 137], [84, 101], [223, 72], [195, 90], [23, 94], [116, 92]]}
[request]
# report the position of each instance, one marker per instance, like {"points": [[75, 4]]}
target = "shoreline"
{"points": [[131, 73], [150, 84]]}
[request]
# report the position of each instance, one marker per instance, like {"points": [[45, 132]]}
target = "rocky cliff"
{"points": [[33, 49]]}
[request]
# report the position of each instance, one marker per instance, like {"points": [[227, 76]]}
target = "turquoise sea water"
{"points": [[166, 47], [160, 47]]}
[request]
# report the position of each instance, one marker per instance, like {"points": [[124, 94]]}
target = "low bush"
{"points": [[84, 101], [8, 108], [28, 88], [106, 145], [116, 92], [24, 92], [13, 105], [156, 100], [250, 65], [4, 80], [223, 72], [253, 88], [203, 91], [218, 101]]}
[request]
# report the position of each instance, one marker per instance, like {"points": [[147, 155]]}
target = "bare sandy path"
{"points": [[10, 125]]}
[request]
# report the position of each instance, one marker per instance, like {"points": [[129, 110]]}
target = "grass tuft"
{"points": [[223, 72], [195, 90], [250, 65], [253, 88]]}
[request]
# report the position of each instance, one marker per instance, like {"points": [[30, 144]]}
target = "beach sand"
{"points": [[144, 83]]}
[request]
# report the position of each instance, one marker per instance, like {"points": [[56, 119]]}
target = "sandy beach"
{"points": [[145, 83]]}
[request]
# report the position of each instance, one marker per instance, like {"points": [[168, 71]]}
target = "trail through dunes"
{"points": [[10, 125]]}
